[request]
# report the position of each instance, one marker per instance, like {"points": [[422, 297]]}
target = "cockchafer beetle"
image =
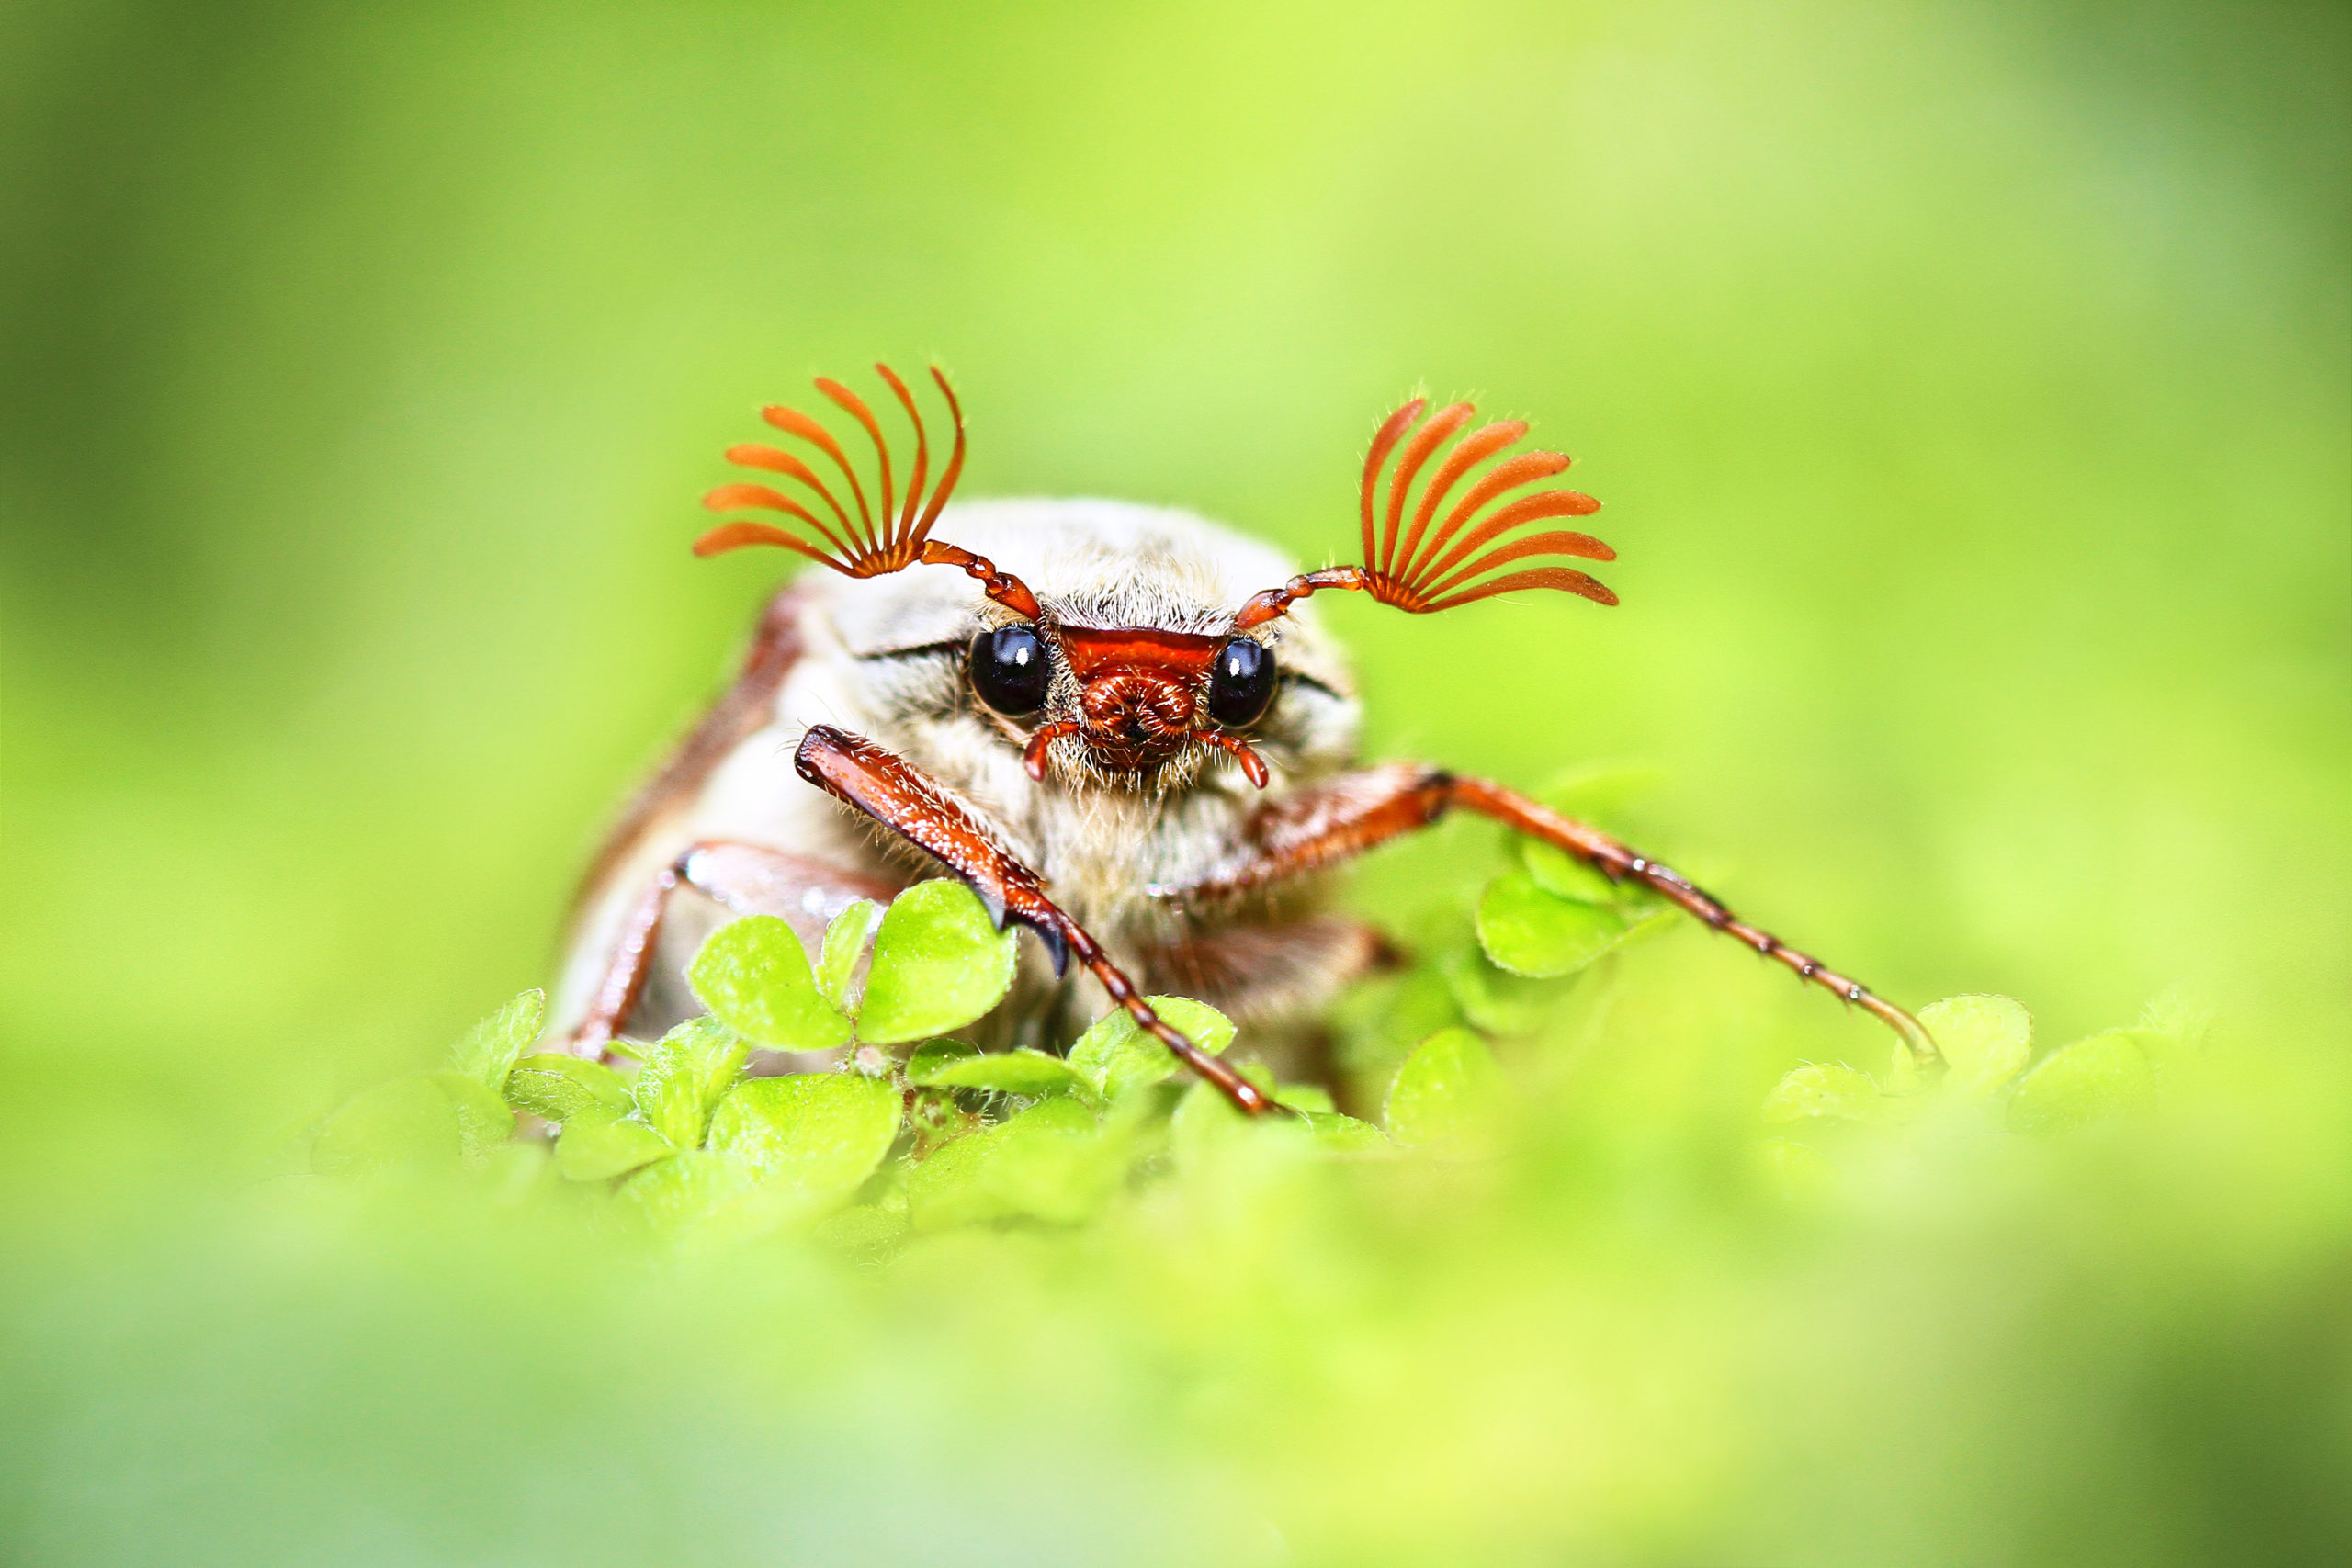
{"points": [[1119, 724]]}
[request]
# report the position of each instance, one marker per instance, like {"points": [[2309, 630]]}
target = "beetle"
{"points": [[1120, 724]]}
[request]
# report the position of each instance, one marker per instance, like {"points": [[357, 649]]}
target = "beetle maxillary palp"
{"points": [[1033, 756]]}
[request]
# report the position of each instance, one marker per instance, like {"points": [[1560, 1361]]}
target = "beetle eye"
{"points": [[1009, 670], [1242, 682]]}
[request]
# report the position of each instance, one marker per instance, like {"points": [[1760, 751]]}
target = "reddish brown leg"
{"points": [[748, 879], [895, 794], [1355, 813]]}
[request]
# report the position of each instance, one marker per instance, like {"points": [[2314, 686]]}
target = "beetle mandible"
{"points": [[1119, 724]]}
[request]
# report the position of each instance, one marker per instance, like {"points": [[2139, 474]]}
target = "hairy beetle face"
{"points": [[1130, 699], [1131, 671], [1138, 691]]}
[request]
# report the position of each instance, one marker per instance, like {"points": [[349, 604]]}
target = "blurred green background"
{"points": [[1967, 386]]}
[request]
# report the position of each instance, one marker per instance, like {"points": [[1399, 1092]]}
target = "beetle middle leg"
{"points": [[897, 796], [743, 879], [1358, 811]]}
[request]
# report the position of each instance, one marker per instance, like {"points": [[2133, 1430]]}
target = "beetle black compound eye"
{"points": [[1009, 670], [1241, 683]]}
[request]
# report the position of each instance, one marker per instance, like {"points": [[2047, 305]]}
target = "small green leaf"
{"points": [[686, 1072], [1984, 1041], [1379, 1021], [1053, 1162], [409, 1121], [1050, 1164], [1447, 1093], [1307, 1097], [1031, 1074], [487, 1050], [1207, 1132], [597, 1143], [484, 1123], [933, 1054], [1484, 996], [671, 1194], [1341, 1135], [1825, 1088], [938, 964], [821, 1133], [1115, 1055], [1903, 1077], [945, 1191], [669, 1098], [754, 976], [1203, 1132], [1530, 932], [845, 945], [558, 1088], [1559, 873], [2106, 1075]]}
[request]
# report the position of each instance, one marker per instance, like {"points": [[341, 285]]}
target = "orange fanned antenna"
{"points": [[1429, 563], [863, 540], [1425, 564]]}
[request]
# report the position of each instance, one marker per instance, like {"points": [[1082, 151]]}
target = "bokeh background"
{"points": [[1967, 386]]}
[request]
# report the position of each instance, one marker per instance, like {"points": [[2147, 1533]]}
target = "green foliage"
{"points": [[845, 940], [938, 963], [556, 1088], [947, 1137], [1115, 1055], [1826, 1089], [821, 1134], [1984, 1041], [454, 1116], [752, 975], [1023, 1072], [1448, 1093], [1173, 1242], [487, 1050], [686, 1147], [598, 1144], [932, 1172], [2107, 1075], [1557, 913]]}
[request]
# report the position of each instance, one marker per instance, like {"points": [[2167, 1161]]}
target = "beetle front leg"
{"points": [[895, 794], [1355, 813]]}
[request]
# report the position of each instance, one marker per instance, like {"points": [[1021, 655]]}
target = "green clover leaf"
{"points": [[821, 1134], [1447, 1093], [1031, 1074], [1984, 1041], [845, 945], [1115, 1055], [2107, 1075], [938, 964], [487, 1050], [559, 1086], [754, 976]]}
